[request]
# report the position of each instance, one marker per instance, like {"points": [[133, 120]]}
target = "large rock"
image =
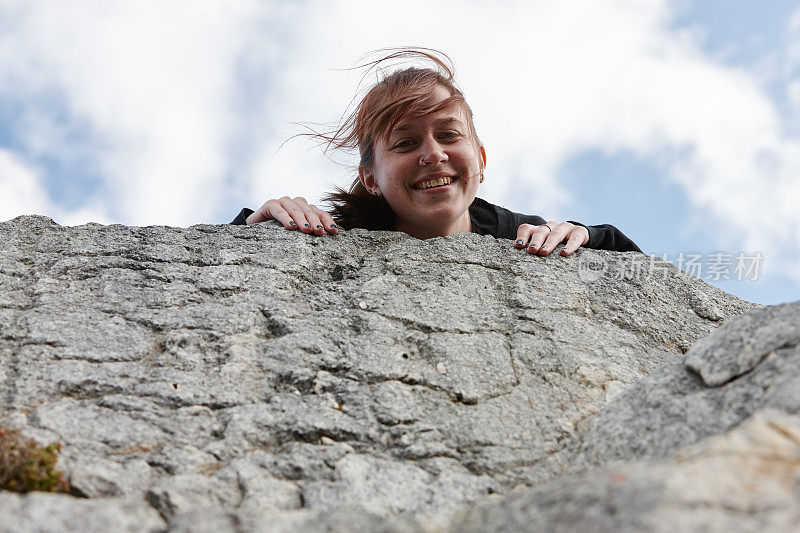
{"points": [[255, 377], [750, 363], [744, 480], [709, 443]]}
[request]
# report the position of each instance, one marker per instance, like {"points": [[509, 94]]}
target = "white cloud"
{"points": [[21, 190], [145, 86]]}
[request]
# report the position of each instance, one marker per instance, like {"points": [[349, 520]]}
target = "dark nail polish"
{"points": [[333, 226], [519, 241], [533, 247], [319, 227], [292, 223], [308, 225]]}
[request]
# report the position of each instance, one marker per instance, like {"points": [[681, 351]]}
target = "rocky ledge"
{"points": [[222, 378]]}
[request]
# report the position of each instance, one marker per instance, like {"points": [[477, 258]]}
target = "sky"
{"points": [[676, 121]]}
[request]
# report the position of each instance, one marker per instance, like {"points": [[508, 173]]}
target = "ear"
{"points": [[368, 180]]}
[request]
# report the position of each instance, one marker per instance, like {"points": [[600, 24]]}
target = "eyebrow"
{"points": [[439, 123]]}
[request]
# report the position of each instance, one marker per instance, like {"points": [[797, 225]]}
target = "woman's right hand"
{"points": [[295, 213]]}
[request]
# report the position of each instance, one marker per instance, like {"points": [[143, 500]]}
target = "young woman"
{"points": [[421, 164]]}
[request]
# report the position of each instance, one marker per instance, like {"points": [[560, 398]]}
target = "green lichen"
{"points": [[26, 466]]}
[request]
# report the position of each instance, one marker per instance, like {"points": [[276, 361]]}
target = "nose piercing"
{"points": [[423, 163]]}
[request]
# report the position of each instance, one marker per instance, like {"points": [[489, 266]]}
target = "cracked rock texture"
{"points": [[743, 480], [226, 378]]}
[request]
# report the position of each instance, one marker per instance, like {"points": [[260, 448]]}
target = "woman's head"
{"points": [[412, 126], [427, 167], [402, 95]]}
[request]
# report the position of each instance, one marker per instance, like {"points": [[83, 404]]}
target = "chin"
{"points": [[440, 213]]}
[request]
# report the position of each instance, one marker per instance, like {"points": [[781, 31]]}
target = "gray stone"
{"points": [[745, 480], [674, 406], [42, 512], [737, 347], [231, 375]]}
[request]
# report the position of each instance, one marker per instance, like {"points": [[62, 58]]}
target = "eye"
{"points": [[449, 135], [403, 143]]}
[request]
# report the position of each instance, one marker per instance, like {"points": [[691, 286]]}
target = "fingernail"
{"points": [[308, 225], [333, 226], [292, 223], [319, 227], [519, 241], [533, 246]]}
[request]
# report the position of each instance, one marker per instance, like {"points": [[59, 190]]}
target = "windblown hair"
{"points": [[399, 96]]}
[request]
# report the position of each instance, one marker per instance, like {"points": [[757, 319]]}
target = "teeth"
{"points": [[435, 183]]}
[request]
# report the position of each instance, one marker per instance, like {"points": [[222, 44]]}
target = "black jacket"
{"points": [[490, 219]]}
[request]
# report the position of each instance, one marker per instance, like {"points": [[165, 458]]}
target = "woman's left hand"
{"points": [[543, 239]]}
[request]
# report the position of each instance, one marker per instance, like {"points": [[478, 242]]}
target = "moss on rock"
{"points": [[26, 466]]}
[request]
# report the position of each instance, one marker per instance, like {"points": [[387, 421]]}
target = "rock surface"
{"points": [[252, 378], [675, 406], [744, 480]]}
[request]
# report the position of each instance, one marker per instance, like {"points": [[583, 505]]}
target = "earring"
{"points": [[481, 178]]}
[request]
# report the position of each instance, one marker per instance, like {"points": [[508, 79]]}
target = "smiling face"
{"points": [[428, 170]]}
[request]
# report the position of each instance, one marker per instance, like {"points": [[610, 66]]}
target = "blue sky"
{"points": [[676, 121]]}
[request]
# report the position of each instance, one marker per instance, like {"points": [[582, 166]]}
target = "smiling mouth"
{"points": [[436, 182]]}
